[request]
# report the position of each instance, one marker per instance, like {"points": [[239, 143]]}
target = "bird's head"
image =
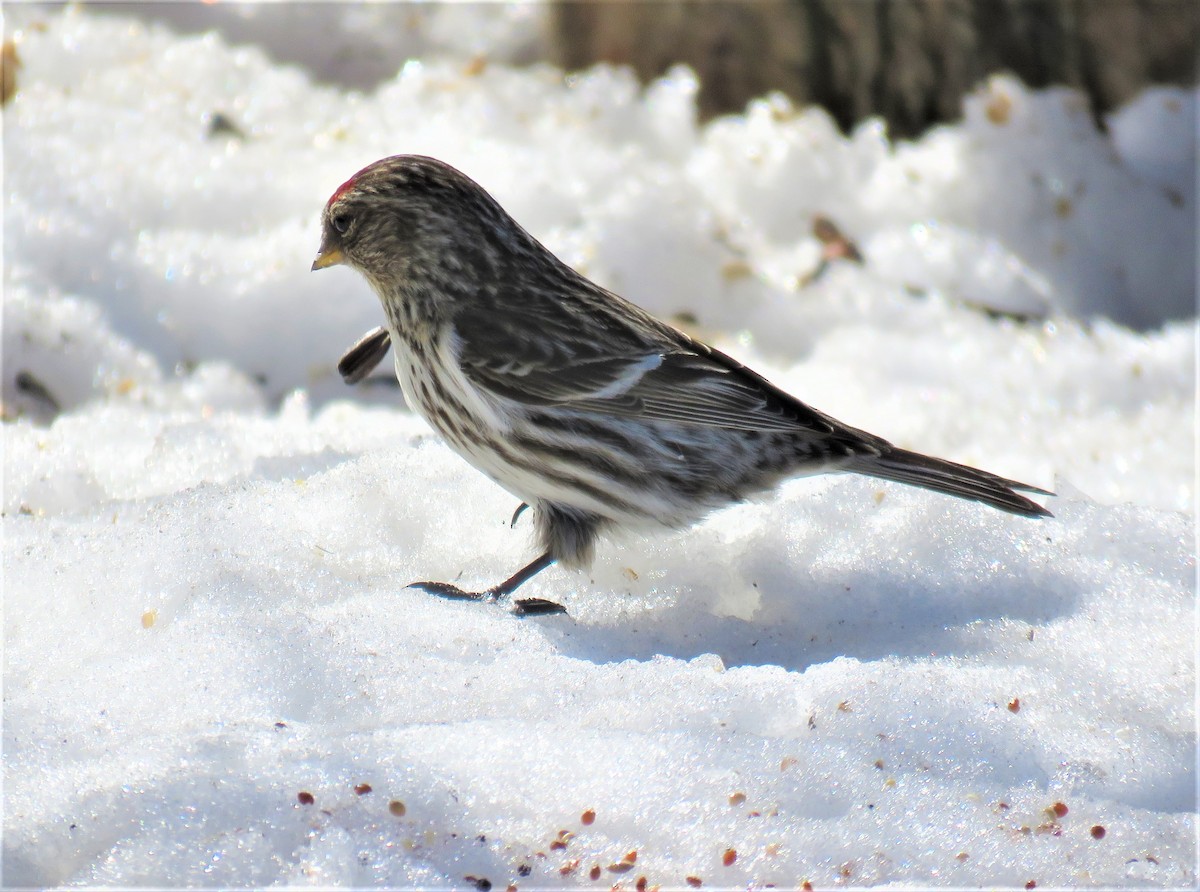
{"points": [[409, 222]]}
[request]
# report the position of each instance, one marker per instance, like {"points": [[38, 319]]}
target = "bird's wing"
{"points": [[676, 380]]}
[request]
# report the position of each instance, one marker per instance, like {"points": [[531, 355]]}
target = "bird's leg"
{"points": [[520, 510], [521, 606]]}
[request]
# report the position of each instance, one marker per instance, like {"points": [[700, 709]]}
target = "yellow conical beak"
{"points": [[330, 257]]}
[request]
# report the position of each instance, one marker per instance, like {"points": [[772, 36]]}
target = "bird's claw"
{"points": [[446, 590], [520, 606], [520, 510], [536, 607]]}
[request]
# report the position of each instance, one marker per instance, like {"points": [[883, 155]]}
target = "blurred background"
{"points": [[908, 61], [135, 134]]}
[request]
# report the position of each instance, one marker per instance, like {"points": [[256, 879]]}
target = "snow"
{"points": [[207, 536]]}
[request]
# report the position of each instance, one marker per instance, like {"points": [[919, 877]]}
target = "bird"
{"points": [[597, 415]]}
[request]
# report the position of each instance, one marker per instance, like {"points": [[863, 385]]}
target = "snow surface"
{"points": [[207, 536]]}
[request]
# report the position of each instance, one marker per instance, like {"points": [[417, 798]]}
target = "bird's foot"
{"points": [[361, 359], [520, 606]]}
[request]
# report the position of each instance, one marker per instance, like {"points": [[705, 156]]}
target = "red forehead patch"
{"points": [[350, 183], [342, 190]]}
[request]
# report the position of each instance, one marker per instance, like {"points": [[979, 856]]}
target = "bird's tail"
{"points": [[952, 479]]}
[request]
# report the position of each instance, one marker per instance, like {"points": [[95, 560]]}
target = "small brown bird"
{"points": [[587, 408]]}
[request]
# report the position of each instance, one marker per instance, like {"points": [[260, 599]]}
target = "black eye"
{"points": [[340, 222]]}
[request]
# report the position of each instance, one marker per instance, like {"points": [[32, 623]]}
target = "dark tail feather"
{"points": [[952, 479]]}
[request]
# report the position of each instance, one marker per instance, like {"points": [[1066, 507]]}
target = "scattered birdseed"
{"points": [[362, 789], [729, 857], [732, 270], [221, 124], [305, 797], [397, 808], [1014, 705], [1098, 831], [998, 108], [9, 63], [737, 798], [695, 882], [625, 864], [1060, 809], [587, 817]]}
